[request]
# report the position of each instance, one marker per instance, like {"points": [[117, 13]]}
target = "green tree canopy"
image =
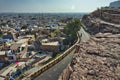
{"points": [[1, 33], [24, 27], [71, 30]]}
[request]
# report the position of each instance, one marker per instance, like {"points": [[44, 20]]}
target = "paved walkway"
{"points": [[54, 72]]}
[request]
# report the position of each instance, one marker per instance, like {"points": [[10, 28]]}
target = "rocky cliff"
{"points": [[103, 21], [99, 58]]}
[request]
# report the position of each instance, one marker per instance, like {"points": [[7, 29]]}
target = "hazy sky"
{"points": [[51, 5]]}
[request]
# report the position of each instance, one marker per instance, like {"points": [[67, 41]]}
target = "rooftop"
{"points": [[51, 43], [22, 41], [2, 52]]}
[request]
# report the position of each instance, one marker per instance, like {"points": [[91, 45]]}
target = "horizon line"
{"points": [[43, 12]]}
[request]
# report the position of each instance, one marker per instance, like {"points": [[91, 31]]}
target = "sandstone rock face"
{"points": [[99, 58], [95, 26], [103, 21], [66, 73]]}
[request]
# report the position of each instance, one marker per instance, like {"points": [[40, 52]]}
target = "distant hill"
{"points": [[115, 4]]}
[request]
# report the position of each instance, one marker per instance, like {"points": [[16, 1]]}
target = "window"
{"points": [[10, 58]]}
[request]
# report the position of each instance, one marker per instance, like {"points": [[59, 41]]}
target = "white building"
{"points": [[11, 55], [115, 4]]}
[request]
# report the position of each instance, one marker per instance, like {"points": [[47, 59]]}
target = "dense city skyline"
{"points": [[52, 5]]}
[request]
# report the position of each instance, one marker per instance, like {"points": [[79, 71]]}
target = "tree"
{"points": [[52, 35], [57, 32], [24, 27], [1, 33], [71, 30]]}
